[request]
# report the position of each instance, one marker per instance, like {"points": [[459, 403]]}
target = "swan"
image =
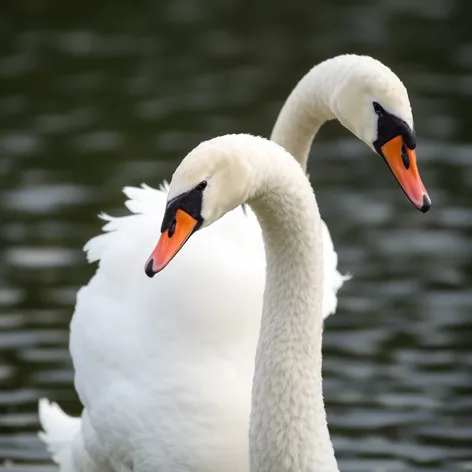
{"points": [[173, 357], [288, 428]]}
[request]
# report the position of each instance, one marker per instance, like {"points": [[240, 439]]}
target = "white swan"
{"points": [[288, 429], [173, 358]]}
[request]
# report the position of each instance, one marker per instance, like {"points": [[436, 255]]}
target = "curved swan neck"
{"points": [[288, 429], [307, 108]]}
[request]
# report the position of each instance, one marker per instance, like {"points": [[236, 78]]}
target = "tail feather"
{"points": [[59, 430], [333, 279]]}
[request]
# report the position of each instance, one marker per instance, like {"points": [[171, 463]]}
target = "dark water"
{"points": [[93, 97]]}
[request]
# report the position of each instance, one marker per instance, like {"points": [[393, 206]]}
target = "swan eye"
{"points": [[378, 108], [201, 186]]}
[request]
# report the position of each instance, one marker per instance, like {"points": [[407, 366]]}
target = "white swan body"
{"points": [[165, 366]]}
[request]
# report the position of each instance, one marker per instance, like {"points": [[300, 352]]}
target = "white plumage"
{"points": [[172, 356], [164, 366]]}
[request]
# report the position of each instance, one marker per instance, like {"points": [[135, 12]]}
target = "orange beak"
{"points": [[170, 242], [402, 162]]}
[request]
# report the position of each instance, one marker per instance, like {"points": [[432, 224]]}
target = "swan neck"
{"points": [[305, 111], [288, 429]]}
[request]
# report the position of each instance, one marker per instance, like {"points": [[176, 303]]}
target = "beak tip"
{"points": [[426, 204], [149, 269]]}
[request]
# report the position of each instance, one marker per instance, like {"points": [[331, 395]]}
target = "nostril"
{"points": [[172, 226], [149, 268], [405, 158]]}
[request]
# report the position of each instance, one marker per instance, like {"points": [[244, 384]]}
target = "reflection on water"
{"points": [[93, 99]]}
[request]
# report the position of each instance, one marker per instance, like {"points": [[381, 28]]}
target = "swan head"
{"points": [[372, 102], [212, 180]]}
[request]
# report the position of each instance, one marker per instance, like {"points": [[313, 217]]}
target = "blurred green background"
{"points": [[98, 95]]}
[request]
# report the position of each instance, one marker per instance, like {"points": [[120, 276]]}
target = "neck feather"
{"points": [[288, 430], [307, 108]]}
